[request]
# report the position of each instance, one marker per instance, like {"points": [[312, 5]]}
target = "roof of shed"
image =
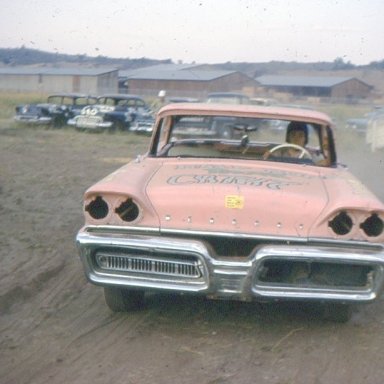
{"points": [[302, 81], [63, 71], [174, 72], [169, 67]]}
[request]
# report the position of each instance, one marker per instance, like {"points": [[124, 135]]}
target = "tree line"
{"points": [[27, 56]]}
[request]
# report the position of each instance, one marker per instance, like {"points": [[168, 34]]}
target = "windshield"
{"points": [[240, 138]]}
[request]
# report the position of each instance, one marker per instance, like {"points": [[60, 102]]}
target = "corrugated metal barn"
{"points": [[49, 80], [317, 86], [184, 80]]}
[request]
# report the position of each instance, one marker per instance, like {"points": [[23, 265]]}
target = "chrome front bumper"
{"points": [[84, 123], [33, 120], [151, 262]]}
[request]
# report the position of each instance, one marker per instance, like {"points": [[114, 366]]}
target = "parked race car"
{"points": [[228, 98], [268, 216], [55, 112], [114, 112], [361, 124]]}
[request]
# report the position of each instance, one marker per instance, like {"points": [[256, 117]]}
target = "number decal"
{"points": [[234, 202]]}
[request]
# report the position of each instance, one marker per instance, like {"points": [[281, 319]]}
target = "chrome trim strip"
{"points": [[120, 229], [146, 230]]}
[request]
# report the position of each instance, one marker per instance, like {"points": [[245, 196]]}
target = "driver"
{"points": [[297, 133], [297, 136]]}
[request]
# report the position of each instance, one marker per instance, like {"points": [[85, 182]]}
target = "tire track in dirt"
{"points": [[25, 292]]}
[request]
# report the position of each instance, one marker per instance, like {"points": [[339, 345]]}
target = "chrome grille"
{"points": [[190, 267]]}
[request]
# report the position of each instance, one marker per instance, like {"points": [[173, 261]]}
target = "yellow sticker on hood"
{"points": [[234, 201]]}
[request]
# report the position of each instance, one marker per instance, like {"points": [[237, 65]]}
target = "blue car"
{"points": [[113, 112], [56, 112]]}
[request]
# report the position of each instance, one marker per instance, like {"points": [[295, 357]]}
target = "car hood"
{"points": [[250, 198]]}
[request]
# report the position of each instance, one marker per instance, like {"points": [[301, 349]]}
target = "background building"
{"points": [[50, 79], [179, 80], [317, 86], [188, 80]]}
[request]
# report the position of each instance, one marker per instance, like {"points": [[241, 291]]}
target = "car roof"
{"points": [[227, 94], [70, 95], [255, 111], [121, 96]]}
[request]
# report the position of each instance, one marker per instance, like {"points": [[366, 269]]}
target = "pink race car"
{"points": [[225, 205]]}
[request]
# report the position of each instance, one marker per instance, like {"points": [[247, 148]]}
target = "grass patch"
{"points": [[9, 100], [340, 113]]}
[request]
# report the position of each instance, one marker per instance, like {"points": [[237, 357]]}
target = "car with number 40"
{"points": [[114, 112]]}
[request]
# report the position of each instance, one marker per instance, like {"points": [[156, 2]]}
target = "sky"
{"points": [[199, 31]]}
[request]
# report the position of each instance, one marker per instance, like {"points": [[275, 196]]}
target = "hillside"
{"points": [[28, 56]]}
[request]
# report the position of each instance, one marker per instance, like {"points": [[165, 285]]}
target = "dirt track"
{"points": [[56, 328]]}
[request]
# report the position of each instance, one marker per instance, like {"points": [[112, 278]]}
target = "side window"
{"points": [[80, 101], [162, 134], [55, 100], [67, 101]]}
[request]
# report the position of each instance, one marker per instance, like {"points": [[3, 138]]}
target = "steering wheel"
{"points": [[303, 152]]}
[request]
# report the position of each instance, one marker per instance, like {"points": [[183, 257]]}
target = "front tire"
{"points": [[122, 299], [58, 122], [119, 126]]}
